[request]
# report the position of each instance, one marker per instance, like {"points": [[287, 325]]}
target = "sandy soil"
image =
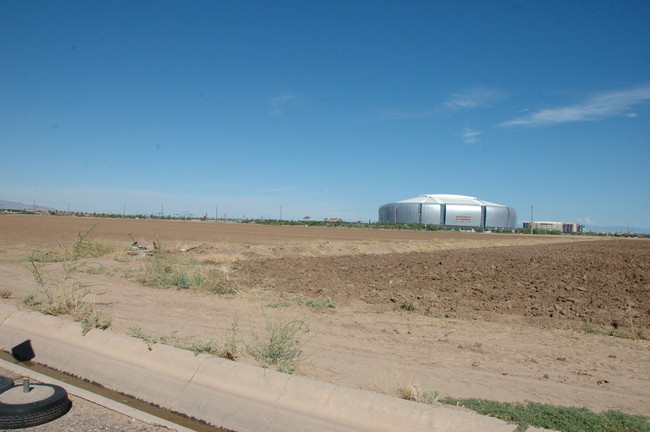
{"points": [[468, 315]]}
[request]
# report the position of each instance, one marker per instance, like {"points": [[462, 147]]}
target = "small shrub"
{"points": [[5, 293], [281, 346]]}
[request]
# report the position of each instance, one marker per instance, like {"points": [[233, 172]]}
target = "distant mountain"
{"points": [[617, 229], [12, 205]]}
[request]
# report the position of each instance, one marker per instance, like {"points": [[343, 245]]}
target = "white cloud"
{"points": [[476, 97], [473, 98], [280, 103], [596, 107], [470, 136]]}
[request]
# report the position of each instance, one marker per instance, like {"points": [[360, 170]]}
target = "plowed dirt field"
{"points": [[504, 317]]}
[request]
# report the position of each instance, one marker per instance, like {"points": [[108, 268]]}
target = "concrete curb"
{"points": [[221, 392], [95, 398]]}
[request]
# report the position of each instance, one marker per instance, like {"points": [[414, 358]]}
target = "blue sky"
{"points": [[327, 108]]}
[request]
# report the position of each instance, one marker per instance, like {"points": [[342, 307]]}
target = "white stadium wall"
{"points": [[449, 210]]}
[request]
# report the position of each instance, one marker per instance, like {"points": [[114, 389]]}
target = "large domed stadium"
{"points": [[449, 210]]}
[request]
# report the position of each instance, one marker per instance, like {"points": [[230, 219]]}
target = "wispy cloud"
{"points": [[471, 98], [405, 115], [280, 103], [596, 107], [477, 97], [470, 136]]}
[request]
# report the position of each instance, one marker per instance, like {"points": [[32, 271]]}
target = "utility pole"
{"points": [[531, 218], [280, 212]]}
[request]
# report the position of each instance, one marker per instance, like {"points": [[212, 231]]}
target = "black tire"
{"points": [[5, 383], [22, 415]]}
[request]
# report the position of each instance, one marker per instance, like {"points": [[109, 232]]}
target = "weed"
{"points": [[91, 321], [166, 271], [597, 330], [95, 269], [429, 397], [281, 346], [65, 296], [564, 419], [5, 293], [279, 304], [226, 348], [430, 312], [86, 247], [221, 288], [321, 303], [44, 257], [29, 300], [407, 305], [137, 332]]}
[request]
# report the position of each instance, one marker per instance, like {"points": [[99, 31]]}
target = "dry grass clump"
{"points": [[408, 390], [181, 271], [62, 294]]}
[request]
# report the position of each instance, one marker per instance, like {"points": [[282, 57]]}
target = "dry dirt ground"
{"points": [[504, 317]]}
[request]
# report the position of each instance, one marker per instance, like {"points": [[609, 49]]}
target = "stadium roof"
{"points": [[448, 199]]}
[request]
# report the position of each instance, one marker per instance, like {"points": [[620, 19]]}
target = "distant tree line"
{"points": [[331, 223]]}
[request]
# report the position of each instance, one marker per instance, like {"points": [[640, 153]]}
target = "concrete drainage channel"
{"points": [[221, 392], [91, 392]]}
